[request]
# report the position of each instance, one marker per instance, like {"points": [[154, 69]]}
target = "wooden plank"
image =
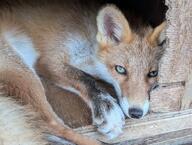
{"points": [[167, 97], [151, 125], [180, 137]]}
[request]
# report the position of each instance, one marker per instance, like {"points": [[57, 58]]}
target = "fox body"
{"points": [[73, 45], [16, 125]]}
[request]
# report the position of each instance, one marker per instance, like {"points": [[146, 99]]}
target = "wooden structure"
{"points": [[164, 128]]}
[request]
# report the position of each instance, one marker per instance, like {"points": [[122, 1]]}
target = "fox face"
{"points": [[131, 58]]}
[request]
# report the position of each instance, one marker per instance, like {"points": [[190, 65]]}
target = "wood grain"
{"points": [[151, 125]]}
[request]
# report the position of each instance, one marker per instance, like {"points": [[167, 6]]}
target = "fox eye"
{"points": [[120, 70], [152, 74]]}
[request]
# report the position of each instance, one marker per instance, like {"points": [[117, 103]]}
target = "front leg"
{"points": [[107, 114]]}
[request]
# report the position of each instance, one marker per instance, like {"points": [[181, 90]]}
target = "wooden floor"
{"points": [[181, 137], [159, 129]]}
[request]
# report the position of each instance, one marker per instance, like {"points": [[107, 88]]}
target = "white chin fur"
{"points": [[145, 108], [124, 105]]}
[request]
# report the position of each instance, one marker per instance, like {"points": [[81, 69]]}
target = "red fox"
{"points": [[72, 46]]}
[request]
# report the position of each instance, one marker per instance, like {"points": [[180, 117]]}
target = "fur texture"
{"points": [[17, 125]]}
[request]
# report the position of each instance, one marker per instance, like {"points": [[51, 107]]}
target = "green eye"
{"points": [[152, 74], [120, 70]]}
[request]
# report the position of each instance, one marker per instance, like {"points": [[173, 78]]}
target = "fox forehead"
{"points": [[137, 53]]}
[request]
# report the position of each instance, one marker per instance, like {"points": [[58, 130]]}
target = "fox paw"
{"points": [[108, 116]]}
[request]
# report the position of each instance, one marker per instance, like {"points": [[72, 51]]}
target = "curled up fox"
{"points": [[71, 46]]}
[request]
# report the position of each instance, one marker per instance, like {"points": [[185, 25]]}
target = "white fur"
{"points": [[15, 128], [79, 49], [113, 120], [123, 101], [145, 108], [70, 89], [58, 140], [23, 45]]}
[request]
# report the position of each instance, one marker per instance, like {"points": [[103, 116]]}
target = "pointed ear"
{"points": [[158, 34], [112, 26]]}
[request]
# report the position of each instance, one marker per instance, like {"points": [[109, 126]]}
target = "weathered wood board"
{"points": [[150, 126]]}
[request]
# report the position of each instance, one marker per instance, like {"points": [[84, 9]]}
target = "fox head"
{"points": [[131, 58]]}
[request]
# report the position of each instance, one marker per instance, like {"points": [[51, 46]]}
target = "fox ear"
{"points": [[158, 34], [112, 26]]}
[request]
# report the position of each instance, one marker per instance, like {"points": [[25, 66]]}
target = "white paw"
{"points": [[111, 119]]}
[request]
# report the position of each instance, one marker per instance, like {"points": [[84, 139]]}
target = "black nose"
{"points": [[135, 113]]}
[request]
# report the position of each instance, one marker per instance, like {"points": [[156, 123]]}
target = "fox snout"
{"points": [[133, 109], [135, 112], [138, 112]]}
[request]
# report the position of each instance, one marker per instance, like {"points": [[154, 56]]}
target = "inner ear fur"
{"points": [[113, 27], [157, 34]]}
